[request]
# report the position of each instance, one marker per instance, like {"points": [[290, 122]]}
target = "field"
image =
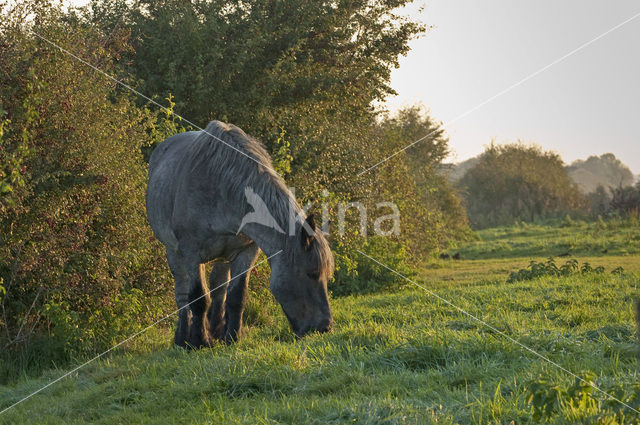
{"points": [[398, 357]]}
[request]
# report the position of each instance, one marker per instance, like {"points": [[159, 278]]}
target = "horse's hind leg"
{"points": [[182, 297], [192, 301], [218, 282], [237, 291]]}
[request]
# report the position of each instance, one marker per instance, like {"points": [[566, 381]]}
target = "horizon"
{"points": [[566, 163]]}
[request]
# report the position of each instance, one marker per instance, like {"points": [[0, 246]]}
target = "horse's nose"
{"points": [[325, 326]]}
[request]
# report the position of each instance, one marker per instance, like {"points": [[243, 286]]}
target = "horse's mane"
{"points": [[236, 161]]}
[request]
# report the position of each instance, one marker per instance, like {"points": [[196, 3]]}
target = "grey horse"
{"points": [[198, 199]]}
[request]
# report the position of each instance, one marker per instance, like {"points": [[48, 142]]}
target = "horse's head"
{"points": [[299, 279]]}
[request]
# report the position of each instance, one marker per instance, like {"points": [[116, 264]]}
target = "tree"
{"points": [[599, 201], [310, 71], [310, 68], [604, 170], [77, 259], [431, 208], [517, 182], [626, 200]]}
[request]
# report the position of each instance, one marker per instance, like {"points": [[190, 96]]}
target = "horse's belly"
{"points": [[222, 247]]}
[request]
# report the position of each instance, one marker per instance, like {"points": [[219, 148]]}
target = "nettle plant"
{"points": [[580, 401], [549, 268]]}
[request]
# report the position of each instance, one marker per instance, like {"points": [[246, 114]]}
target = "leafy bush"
{"points": [[549, 268], [357, 274], [300, 90], [78, 261], [515, 182], [580, 401]]}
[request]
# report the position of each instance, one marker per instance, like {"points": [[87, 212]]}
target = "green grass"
{"points": [[597, 239], [400, 357]]}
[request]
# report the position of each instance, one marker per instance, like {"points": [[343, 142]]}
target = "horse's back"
{"points": [[170, 151], [164, 169]]}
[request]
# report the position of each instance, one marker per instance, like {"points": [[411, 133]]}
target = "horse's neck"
{"points": [[269, 240], [272, 231]]}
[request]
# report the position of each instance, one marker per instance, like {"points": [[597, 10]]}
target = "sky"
{"points": [[587, 104]]}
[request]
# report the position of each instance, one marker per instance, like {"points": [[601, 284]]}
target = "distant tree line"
{"points": [[518, 182], [621, 200], [605, 170]]}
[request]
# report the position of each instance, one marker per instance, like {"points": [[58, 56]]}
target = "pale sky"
{"points": [[587, 104]]}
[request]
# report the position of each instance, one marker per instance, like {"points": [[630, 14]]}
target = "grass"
{"points": [[618, 237], [398, 357]]}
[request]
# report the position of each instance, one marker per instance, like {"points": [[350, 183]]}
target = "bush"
{"points": [[357, 274], [78, 261], [581, 402], [549, 268], [515, 182]]}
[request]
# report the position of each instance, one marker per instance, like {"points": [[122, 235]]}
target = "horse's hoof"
{"points": [[182, 344], [218, 332], [232, 336]]}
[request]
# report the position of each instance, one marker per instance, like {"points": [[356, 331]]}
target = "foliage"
{"points": [[166, 124], [617, 201], [517, 182], [282, 155], [357, 274], [626, 200], [549, 268], [77, 255], [12, 167], [301, 77], [605, 170], [431, 210], [78, 260], [580, 399], [599, 202], [310, 68]]}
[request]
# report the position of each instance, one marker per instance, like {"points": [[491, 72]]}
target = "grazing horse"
{"points": [[205, 188]]}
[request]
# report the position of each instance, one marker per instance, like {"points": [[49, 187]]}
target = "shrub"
{"points": [[357, 274], [515, 182], [78, 260], [549, 268], [579, 402]]}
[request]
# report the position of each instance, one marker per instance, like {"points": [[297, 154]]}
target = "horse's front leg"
{"points": [[198, 302], [237, 291]]}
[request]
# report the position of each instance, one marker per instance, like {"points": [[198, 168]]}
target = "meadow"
{"points": [[402, 356]]}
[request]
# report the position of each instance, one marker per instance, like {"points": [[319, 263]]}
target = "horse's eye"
{"points": [[313, 275]]}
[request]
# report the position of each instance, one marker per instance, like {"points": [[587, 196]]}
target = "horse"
{"points": [[203, 185]]}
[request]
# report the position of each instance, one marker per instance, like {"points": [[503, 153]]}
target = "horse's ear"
{"points": [[308, 231]]}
